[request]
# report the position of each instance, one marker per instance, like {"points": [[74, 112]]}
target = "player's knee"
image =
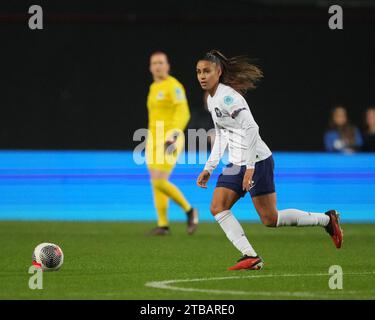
{"points": [[158, 183], [216, 208], [270, 220]]}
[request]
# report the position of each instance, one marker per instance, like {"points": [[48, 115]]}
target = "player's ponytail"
{"points": [[237, 72]]}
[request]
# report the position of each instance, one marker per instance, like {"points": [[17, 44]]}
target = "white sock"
{"points": [[234, 232], [294, 217]]}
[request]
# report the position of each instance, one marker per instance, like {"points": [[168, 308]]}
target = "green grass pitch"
{"points": [[114, 260]]}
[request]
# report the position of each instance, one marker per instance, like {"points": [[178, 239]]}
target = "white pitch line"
{"points": [[167, 284]]}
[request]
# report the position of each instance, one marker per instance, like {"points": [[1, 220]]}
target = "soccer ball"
{"points": [[48, 257]]}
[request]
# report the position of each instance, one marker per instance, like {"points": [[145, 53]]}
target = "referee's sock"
{"points": [[235, 233]]}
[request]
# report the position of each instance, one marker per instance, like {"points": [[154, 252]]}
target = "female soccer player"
{"points": [[251, 163], [168, 114]]}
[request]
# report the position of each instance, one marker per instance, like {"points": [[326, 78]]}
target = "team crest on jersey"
{"points": [[160, 95], [228, 100], [218, 112]]}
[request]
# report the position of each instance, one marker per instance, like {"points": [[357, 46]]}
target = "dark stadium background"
{"points": [[81, 83]]}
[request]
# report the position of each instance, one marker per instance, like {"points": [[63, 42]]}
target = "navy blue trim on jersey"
{"points": [[263, 178]]}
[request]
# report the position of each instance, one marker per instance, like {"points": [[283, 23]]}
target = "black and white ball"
{"points": [[48, 257]]}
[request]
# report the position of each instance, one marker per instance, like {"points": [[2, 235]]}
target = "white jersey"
{"points": [[236, 129]]}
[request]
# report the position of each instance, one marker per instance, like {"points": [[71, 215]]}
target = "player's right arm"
{"points": [[217, 152]]}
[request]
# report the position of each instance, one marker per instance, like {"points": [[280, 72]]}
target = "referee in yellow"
{"points": [[168, 116]]}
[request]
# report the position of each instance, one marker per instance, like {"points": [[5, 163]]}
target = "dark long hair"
{"points": [[237, 72], [346, 131]]}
